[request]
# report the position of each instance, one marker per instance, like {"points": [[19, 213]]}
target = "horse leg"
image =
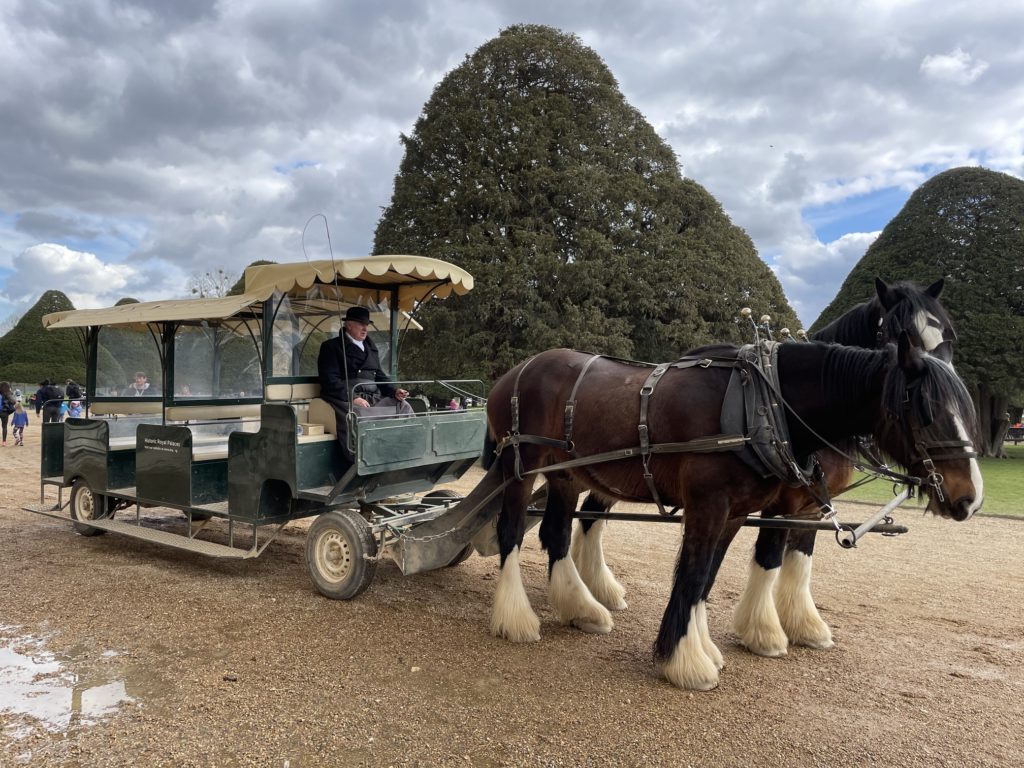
{"points": [[797, 612], [680, 647], [732, 528], [512, 617], [588, 554], [568, 592], [756, 619]]}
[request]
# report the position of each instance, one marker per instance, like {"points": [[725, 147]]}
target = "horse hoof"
{"points": [[592, 626], [818, 644], [521, 635]]}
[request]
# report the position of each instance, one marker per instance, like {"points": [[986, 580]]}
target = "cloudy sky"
{"points": [[142, 142]]}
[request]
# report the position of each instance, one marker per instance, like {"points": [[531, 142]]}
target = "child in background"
{"points": [[75, 409], [20, 421]]}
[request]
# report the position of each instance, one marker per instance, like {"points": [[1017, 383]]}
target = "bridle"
{"points": [[926, 452]]}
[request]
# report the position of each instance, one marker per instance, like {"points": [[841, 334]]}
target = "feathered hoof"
{"points": [[611, 595], [523, 629], [600, 624], [816, 635], [691, 672], [765, 643]]}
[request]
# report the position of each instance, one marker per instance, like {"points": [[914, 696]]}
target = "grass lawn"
{"points": [[1004, 486]]}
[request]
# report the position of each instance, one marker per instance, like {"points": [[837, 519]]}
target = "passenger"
{"points": [[140, 386], [353, 356]]}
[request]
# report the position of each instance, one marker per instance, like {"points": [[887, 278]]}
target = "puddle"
{"points": [[59, 694]]}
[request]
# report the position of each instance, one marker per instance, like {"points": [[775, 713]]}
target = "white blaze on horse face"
{"points": [[979, 486], [929, 329]]}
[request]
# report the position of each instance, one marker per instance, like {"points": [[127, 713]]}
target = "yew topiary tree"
{"points": [[528, 168], [965, 225], [28, 353]]}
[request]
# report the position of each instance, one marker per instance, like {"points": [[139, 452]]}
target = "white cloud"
{"points": [[169, 159], [812, 271], [958, 67], [86, 279]]}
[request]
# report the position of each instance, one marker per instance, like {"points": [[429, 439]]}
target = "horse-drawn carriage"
{"points": [[229, 425], [239, 434]]}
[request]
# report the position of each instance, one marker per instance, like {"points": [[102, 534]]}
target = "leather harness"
{"points": [[645, 448]]}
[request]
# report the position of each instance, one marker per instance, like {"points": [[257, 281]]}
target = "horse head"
{"points": [[905, 307], [931, 429]]}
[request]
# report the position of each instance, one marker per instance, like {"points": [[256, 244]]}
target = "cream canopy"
{"points": [[417, 278]]}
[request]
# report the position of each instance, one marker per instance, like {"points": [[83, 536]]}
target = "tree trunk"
{"points": [[993, 420]]}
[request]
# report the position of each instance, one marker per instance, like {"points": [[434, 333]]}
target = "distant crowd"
{"points": [[51, 401]]}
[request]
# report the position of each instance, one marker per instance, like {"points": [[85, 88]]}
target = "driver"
{"points": [[354, 353]]}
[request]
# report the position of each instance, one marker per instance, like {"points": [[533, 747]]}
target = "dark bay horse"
{"points": [[909, 402], [776, 607]]}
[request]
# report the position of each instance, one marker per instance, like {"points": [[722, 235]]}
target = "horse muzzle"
{"points": [[962, 509]]}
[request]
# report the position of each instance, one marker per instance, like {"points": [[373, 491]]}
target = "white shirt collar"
{"points": [[355, 341]]}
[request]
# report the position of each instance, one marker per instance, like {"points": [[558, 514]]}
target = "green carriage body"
{"points": [[264, 455]]}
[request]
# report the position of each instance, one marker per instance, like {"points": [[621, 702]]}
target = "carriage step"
{"points": [[167, 538], [217, 508]]}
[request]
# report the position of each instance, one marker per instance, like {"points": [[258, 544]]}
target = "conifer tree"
{"points": [[965, 225], [528, 168]]}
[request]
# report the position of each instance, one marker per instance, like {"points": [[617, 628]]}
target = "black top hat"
{"points": [[359, 314]]}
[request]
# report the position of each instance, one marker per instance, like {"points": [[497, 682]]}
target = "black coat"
{"points": [[363, 365], [74, 391]]}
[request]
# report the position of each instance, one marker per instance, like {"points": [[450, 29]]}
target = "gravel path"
{"points": [[239, 664]]}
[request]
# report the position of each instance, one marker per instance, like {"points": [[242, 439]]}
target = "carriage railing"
{"points": [[429, 395]]}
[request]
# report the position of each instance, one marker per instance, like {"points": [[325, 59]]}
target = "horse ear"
{"points": [[909, 357], [885, 294], [935, 288], [944, 352]]}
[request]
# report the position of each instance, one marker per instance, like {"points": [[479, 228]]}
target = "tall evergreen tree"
{"points": [[28, 353], [967, 226], [528, 168]]}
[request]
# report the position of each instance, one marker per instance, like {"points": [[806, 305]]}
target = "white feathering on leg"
{"points": [[705, 636], [690, 667], [588, 554], [797, 612], [755, 619], [573, 601], [512, 616]]}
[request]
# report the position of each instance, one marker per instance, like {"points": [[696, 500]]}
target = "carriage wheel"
{"points": [[339, 552], [437, 497], [86, 505]]}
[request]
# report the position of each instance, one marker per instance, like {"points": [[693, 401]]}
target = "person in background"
{"points": [[20, 421], [75, 409], [72, 390], [51, 399], [8, 405], [40, 394]]}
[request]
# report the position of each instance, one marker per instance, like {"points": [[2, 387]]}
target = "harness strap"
{"points": [[514, 405], [570, 404], [645, 442]]}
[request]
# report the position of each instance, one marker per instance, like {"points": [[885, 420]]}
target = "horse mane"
{"points": [[856, 328], [939, 383]]}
